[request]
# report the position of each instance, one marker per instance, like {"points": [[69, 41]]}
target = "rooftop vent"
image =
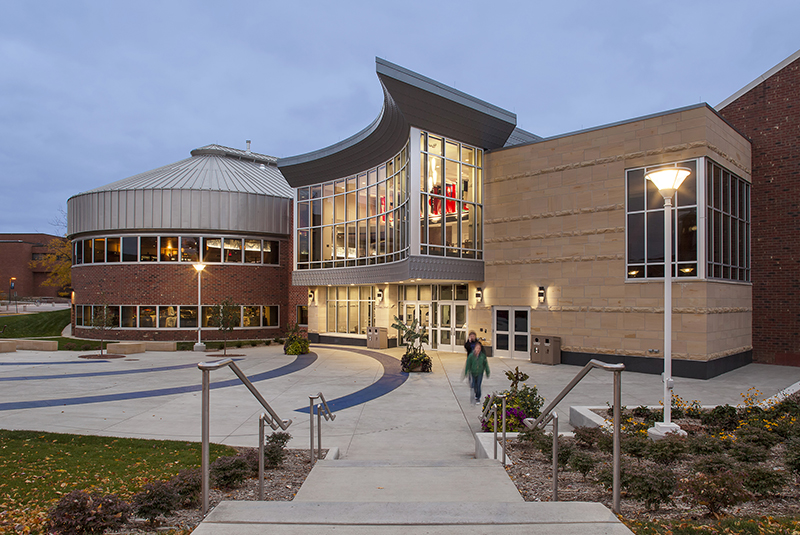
{"points": [[248, 146]]}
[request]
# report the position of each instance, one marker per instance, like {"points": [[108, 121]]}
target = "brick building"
{"points": [[17, 251], [767, 112], [136, 243], [445, 212]]}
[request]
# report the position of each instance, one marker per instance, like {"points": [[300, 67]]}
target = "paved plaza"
{"points": [[381, 413]]}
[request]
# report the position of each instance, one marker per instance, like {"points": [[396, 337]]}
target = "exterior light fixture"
{"points": [[667, 180], [541, 294], [379, 294], [11, 284], [199, 346], [311, 296], [479, 294]]}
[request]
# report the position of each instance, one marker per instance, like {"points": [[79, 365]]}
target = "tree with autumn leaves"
{"points": [[57, 262]]}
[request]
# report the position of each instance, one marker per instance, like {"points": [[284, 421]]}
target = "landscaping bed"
{"points": [[735, 462], [135, 476]]}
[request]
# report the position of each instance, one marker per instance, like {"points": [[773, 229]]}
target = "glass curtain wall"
{"points": [[355, 221], [451, 179], [350, 309]]}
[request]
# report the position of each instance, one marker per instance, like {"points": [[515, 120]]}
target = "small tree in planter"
{"points": [[103, 320], [413, 336], [226, 316]]}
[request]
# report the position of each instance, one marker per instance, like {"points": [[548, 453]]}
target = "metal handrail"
{"points": [[491, 408], [329, 416], [549, 413], [271, 418]]}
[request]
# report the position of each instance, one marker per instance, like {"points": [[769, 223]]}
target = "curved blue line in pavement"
{"points": [[49, 363], [392, 378], [302, 361], [100, 374]]}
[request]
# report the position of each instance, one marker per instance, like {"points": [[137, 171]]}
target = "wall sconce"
{"points": [[379, 295], [311, 295], [541, 294], [479, 294]]}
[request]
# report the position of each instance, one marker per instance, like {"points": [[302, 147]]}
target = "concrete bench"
{"points": [[161, 346], [126, 348], [37, 345], [8, 346]]}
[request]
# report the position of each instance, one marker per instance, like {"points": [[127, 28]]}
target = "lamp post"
{"points": [[11, 287], [667, 180], [199, 346]]}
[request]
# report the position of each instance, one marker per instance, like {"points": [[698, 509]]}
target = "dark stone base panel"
{"points": [[332, 339], [693, 369]]}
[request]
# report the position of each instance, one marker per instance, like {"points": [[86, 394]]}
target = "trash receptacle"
{"points": [[380, 338], [546, 349], [370, 337]]}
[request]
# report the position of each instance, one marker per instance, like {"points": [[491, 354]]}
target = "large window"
{"points": [[175, 317], [726, 227], [728, 224], [450, 204], [350, 309], [355, 221], [191, 249]]}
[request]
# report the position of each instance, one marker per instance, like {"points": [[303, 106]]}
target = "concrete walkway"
{"points": [[407, 446]]}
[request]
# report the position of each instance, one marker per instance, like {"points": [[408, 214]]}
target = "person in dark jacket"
{"points": [[472, 339], [477, 365]]}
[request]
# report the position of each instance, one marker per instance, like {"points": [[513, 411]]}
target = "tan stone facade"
{"points": [[555, 218]]}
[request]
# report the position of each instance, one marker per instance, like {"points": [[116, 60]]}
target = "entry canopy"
{"points": [[409, 99]]}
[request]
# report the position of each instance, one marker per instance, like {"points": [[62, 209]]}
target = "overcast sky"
{"points": [[93, 92]]}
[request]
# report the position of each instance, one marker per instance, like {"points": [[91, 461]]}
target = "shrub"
{"points": [[267, 342], [86, 347], [529, 400], [757, 436], [587, 436], [715, 491], [763, 481], [714, 464], [605, 442], [239, 343], [228, 472], [157, 498], [80, 512], [642, 412], [703, 444], [653, 485], [791, 456], [566, 448], [253, 343], [70, 346], [298, 346], [582, 462], [747, 453], [723, 417], [669, 449], [274, 449], [635, 445], [279, 340], [605, 475], [188, 484]]}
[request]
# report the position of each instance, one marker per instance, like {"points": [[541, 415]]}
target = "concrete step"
{"points": [[453, 480], [437, 518]]}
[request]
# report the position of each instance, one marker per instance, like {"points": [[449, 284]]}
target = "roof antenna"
{"points": [[248, 146]]}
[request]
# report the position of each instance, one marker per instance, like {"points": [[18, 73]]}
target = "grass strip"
{"points": [[37, 468], [765, 525], [32, 325]]}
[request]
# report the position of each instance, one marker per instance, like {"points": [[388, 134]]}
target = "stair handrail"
{"points": [[548, 413], [491, 408], [329, 416], [271, 417]]}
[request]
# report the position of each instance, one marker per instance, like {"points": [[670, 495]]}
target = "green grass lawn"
{"points": [[37, 468], [35, 325]]}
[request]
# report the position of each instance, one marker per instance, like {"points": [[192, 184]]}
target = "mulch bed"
{"points": [[280, 484], [104, 356]]}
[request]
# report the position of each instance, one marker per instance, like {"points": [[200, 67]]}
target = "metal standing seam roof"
{"points": [[410, 99], [212, 168]]}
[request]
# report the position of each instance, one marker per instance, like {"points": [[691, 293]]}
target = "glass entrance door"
{"points": [[421, 312], [512, 336], [452, 326]]}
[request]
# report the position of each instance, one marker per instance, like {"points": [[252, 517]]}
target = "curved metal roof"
{"points": [[410, 99], [214, 168], [217, 189]]}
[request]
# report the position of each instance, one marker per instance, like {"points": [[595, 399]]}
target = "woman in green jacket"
{"points": [[477, 365]]}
